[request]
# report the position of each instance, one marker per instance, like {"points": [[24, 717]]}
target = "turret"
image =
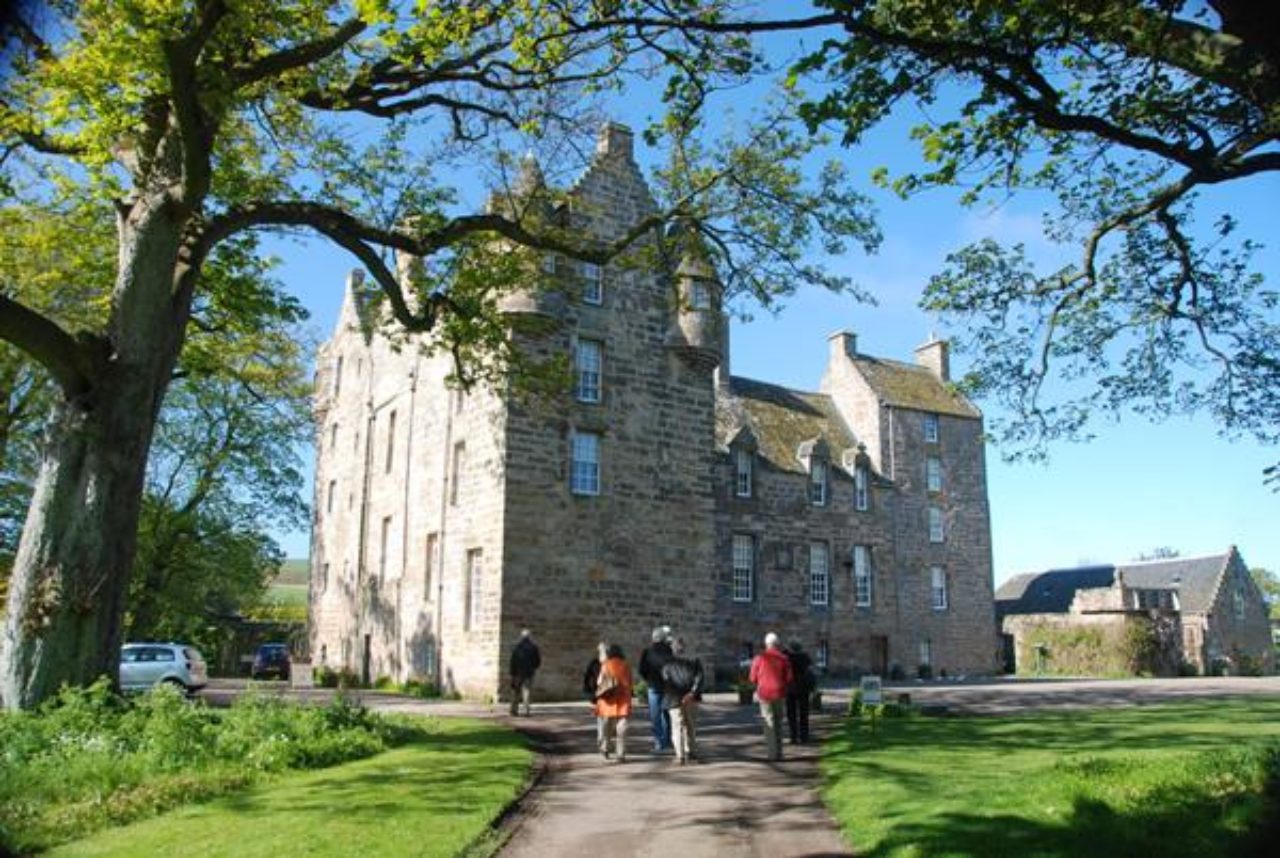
{"points": [[695, 333]]}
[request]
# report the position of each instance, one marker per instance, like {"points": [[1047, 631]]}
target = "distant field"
{"points": [[295, 571], [286, 597]]}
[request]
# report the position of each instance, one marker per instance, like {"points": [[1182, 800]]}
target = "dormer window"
{"points": [[931, 428], [592, 283], [743, 467], [818, 482]]}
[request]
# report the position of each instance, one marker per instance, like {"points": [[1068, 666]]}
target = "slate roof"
{"points": [[781, 420], [1051, 591], [906, 385]]}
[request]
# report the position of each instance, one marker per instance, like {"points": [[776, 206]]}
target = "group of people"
{"points": [[674, 683], [783, 680]]}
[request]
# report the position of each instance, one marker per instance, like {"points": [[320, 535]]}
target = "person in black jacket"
{"points": [[525, 661], [651, 662], [799, 692], [681, 688]]}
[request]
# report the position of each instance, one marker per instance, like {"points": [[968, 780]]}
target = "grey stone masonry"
{"points": [[446, 523]]}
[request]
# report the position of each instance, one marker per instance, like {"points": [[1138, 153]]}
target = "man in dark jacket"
{"points": [[799, 692], [651, 662], [525, 661], [681, 687]]}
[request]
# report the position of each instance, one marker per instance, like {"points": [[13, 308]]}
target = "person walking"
{"points": [[525, 661], [681, 687], [590, 679], [613, 702], [799, 692], [651, 661], [771, 674]]}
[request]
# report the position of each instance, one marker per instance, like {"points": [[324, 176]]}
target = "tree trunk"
{"points": [[71, 573]]}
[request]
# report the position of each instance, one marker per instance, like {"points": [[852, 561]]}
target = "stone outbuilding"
{"points": [[1185, 614], [662, 490]]}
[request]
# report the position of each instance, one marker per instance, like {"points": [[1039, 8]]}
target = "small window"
{"points": [[933, 474], [337, 375], [1237, 603], [429, 566], [744, 567], [862, 575], [391, 442], [936, 533], [819, 574], [822, 655], [818, 482], [588, 361], [384, 546], [861, 492], [324, 577], [926, 653], [592, 283], [459, 465], [548, 263], [474, 584], [700, 296], [938, 588], [333, 436], [328, 502], [931, 428], [743, 462], [584, 475]]}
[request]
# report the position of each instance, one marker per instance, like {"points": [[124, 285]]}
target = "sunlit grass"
{"points": [[1173, 780]]}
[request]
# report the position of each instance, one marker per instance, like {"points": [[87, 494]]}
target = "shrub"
{"points": [[424, 689]]}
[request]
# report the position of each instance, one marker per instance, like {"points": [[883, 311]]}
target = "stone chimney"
{"points": [[615, 140], [935, 356], [843, 345]]}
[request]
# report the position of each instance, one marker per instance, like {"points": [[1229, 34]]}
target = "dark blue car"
{"points": [[271, 661]]}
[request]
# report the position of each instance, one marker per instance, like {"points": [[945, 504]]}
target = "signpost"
{"points": [[872, 695]]}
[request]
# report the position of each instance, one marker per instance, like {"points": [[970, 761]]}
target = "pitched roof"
{"points": [[781, 420], [905, 385], [1051, 591]]}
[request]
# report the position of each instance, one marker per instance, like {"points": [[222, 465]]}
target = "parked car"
{"points": [[271, 660], [146, 665]]}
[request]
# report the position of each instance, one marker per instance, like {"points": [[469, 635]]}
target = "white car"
{"points": [[145, 665]]}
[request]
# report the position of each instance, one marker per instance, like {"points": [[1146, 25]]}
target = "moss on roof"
{"points": [[905, 385], [781, 420]]}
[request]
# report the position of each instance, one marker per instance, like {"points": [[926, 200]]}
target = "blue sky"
{"points": [[1137, 486]]}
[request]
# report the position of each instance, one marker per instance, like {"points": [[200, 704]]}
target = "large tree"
{"points": [[1125, 111], [200, 120]]}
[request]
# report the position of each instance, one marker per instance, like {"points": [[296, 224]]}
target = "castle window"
{"points": [[931, 428], [391, 442], [474, 583], [861, 483], [744, 567], [862, 575], [926, 653], [333, 436], [819, 574], [935, 524], [337, 375], [822, 655], [587, 359], [548, 263], [459, 462], [818, 482], [384, 545], [700, 296], [933, 474], [938, 588], [324, 577], [1237, 603], [592, 283], [584, 476], [328, 503], [743, 462], [429, 565]]}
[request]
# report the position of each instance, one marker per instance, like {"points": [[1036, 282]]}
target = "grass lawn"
{"points": [[1169, 780], [433, 797]]}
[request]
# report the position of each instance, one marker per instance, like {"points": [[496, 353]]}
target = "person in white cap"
{"points": [[771, 674]]}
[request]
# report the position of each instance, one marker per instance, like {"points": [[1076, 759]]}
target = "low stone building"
{"points": [[663, 490], [1200, 614]]}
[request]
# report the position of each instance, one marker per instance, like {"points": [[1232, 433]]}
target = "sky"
{"points": [[1136, 487]]}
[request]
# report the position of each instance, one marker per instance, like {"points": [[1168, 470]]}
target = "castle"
{"points": [[664, 490]]}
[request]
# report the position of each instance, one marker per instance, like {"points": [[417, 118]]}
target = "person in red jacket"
{"points": [[771, 675]]}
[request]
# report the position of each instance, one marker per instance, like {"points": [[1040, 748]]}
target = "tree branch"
{"points": [[273, 65], [73, 362]]}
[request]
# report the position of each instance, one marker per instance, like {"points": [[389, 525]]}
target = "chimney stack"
{"points": [[843, 345], [615, 140], [935, 356]]}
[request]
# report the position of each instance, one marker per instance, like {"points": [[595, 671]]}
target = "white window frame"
{"points": [[584, 463], [863, 582], [818, 478], [822, 654], [931, 428], [743, 472], [592, 283], [939, 597], [926, 652], [474, 589], [933, 474], [819, 573], [588, 362], [744, 567], [699, 295], [937, 529], [861, 488]]}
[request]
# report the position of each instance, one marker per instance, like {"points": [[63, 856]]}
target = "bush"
{"points": [[422, 688]]}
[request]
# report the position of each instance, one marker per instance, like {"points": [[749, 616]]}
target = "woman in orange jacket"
{"points": [[613, 702]]}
